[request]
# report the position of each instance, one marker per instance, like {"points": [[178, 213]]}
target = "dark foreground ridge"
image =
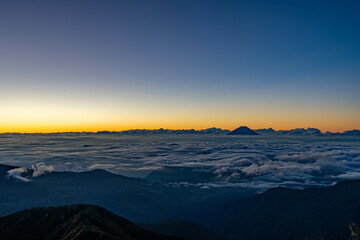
{"points": [[243, 130], [233, 213], [73, 222], [282, 213], [188, 230]]}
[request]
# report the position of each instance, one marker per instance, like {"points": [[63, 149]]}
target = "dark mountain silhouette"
{"points": [[283, 213], [137, 199], [243, 130], [179, 174], [208, 131], [73, 222], [279, 213], [186, 229], [292, 132]]}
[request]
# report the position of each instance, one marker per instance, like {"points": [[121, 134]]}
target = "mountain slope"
{"points": [[243, 130], [283, 213], [136, 199], [186, 229], [72, 222]]}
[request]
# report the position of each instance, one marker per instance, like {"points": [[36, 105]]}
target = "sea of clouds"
{"points": [[258, 161]]}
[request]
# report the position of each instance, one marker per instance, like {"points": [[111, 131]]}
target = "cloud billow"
{"points": [[260, 163]]}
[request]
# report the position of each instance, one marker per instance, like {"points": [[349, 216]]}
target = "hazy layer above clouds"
{"points": [[259, 161]]}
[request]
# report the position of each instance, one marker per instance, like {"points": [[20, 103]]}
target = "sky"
{"points": [[179, 64]]}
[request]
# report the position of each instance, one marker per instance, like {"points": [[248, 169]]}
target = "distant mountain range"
{"points": [[161, 131], [306, 132], [141, 200], [208, 131]]}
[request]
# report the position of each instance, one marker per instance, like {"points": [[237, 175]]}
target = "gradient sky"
{"points": [[115, 65]]}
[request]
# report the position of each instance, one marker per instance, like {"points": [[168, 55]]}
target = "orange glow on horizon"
{"points": [[60, 117], [121, 127]]}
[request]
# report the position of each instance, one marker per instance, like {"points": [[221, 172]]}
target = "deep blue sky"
{"points": [[179, 64]]}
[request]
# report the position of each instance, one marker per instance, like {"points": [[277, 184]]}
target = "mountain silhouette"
{"points": [[186, 229], [243, 130], [282, 213], [73, 222]]}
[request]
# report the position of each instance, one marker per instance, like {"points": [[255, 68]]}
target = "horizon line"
{"points": [[168, 129]]}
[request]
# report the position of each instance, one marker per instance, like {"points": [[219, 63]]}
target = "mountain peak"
{"points": [[73, 222], [243, 130]]}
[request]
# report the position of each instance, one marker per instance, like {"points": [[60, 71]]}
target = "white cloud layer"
{"points": [[16, 174], [258, 162], [41, 168]]}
